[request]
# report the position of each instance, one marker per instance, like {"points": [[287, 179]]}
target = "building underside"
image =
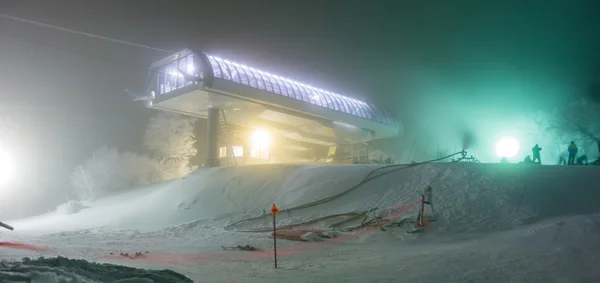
{"points": [[257, 117]]}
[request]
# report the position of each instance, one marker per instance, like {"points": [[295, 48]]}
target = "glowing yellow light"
{"points": [[260, 139], [6, 167]]}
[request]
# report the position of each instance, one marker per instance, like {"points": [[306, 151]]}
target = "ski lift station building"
{"points": [[257, 117]]}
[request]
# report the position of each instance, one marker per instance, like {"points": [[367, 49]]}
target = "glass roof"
{"points": [[241, 74]]}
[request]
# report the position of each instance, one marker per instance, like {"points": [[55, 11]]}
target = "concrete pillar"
{"points": [[212, 138]]}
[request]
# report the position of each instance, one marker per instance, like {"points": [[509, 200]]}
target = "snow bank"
{"points": [[467, 197], [70, 207], [207, 193], [62, 269], [494, 221]]}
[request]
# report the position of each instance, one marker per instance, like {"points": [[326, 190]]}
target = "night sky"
{"points": [[444, 66]]}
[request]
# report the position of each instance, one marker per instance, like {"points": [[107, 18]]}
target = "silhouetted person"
{"points": [[527, 160], [572, 153], [582, 160], [536, 154], [597, 162], [562, 160]]}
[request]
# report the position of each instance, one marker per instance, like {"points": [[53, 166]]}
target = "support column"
{"points": [[212, 138]]}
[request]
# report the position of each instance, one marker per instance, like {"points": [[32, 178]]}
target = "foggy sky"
{"points": [[444, 66]]}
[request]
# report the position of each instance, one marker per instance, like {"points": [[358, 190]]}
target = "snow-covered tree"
{"points": [[378, 156], [172, 141], [83, 184], [108, 171], [577, 121]]}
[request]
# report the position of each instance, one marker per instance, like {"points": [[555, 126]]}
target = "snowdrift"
{"points": [[495, 222], [467, 197], [208, 193]]}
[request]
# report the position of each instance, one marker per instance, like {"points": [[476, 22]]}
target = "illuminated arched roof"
{"points": [[248, 76]]}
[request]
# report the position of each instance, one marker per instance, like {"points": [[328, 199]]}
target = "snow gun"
{"points": [[2, 224]]}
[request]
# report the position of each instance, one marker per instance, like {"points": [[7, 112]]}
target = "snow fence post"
{"points": [[426, 198], [429, 199], [274, 211], [421, 217]]}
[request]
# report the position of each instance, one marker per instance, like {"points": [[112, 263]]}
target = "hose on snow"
{"points": [[369, 177]]}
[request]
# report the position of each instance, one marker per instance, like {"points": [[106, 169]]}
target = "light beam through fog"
{"points": [[6, 167]]}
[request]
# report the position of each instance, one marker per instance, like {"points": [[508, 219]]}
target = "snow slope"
{"points": [[495, 223], [206, 194]]}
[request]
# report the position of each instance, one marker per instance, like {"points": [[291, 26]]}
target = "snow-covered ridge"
{"points": [[494, 221], [467, 196]]}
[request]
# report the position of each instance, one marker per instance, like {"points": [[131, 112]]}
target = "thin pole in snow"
{"points": [[274, 211], [413, 150], [274, 241], [521, 198]]}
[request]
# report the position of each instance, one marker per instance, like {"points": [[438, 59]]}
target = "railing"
{"points": [[171, 76], [167, 82]]}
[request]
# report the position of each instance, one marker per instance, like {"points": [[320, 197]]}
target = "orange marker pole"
{"points": [[274, 211]]}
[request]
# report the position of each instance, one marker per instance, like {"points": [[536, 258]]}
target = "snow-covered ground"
{"points": [[494, 223]]}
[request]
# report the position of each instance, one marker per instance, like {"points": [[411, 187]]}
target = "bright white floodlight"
{"points": [[260, 139], [507, 147]]}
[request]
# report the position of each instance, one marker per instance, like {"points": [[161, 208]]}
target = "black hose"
{"points": [[353, 215], [367, 178], [4, 225], [521, 198]]}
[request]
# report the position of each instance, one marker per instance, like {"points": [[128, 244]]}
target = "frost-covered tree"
{"points": [[83, 183], [379, 156], [577, 121], [171, 139], [108, 171]]}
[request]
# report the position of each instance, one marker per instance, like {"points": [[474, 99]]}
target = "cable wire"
{"points": [[72, 31]]}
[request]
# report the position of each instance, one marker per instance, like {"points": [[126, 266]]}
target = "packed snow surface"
{"points": [[493, 223]]}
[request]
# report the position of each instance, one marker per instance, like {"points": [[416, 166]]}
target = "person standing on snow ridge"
{"points": [[562, 160], [572, 153], [536, 154]]}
